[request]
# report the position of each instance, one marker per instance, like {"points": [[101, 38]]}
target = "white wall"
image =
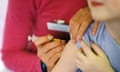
{"points": [[3, 9], [3, 6]]}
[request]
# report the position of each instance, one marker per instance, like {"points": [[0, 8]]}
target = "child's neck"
{"points": [[113, 27]]}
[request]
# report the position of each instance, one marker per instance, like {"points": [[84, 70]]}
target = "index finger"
{"points": [[84, 26], [42, 40], [95, 27], [76, 21]]}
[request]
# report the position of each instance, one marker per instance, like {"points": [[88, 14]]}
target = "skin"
{"points": [[85, 56], [109, 13], [49, 50], [67, 62], [80, 22], [93, 59], [109, 10]]}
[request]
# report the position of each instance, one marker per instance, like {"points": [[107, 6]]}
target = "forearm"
{"points": [[67, 60], [64, 67], [110, 70]]}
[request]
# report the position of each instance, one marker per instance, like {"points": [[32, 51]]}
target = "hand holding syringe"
{"points": [[49, 49]]}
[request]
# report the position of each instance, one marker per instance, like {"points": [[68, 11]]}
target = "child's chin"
{"points": [[99, 18], [96, 18]]}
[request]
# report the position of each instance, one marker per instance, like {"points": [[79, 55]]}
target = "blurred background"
{"points": [[3, 8]]}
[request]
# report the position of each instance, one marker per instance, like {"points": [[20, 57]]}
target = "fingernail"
{"points": [[93, 33], [79, 37]]}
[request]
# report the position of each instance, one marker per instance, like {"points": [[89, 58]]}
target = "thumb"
{"points": [[43, 39]]}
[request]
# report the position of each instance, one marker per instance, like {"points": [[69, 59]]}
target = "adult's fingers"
{"points": [[55, 58], [51, 45], [95, 27], [54, 51], [43, 39], [84, 25], [49, 48], [76, 22]]}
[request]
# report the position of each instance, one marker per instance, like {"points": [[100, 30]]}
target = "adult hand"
{"points": [[49, 50], [92, 59], [80, 22]]}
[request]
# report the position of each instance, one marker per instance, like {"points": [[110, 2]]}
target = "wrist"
{"points": [[110, 70], [49, 69]]}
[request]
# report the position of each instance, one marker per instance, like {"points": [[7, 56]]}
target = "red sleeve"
{"points": [[20, 21]]}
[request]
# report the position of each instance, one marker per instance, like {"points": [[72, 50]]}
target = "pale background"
{"points": [[3, 10]]}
